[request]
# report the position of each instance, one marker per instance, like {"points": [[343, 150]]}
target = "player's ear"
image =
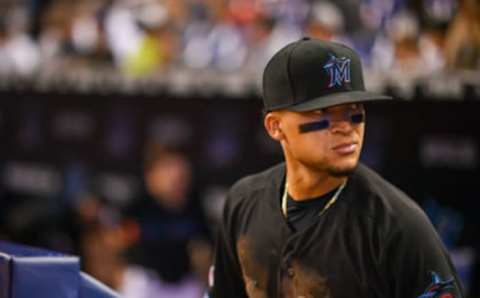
{"points": [[272, 122]]}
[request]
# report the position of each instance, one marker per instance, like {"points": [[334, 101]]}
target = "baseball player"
{"points": [[322, 224]]}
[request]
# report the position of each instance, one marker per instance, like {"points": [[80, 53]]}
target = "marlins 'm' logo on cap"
{"points": [[338, 70], [312, 74]]}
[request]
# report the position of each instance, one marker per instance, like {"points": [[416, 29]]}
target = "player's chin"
{"points": [[343, 167]]}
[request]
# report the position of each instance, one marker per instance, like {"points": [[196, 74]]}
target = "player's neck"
{"points": [[306, 183]]}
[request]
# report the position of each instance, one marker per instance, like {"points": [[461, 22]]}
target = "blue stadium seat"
{"points": [[27, 272]]}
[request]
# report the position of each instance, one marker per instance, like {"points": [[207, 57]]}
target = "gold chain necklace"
{"points": [[329, 204]]}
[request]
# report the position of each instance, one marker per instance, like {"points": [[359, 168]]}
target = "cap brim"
{"points": [[338, 98]]}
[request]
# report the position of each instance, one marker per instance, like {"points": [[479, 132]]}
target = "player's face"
{"points": [[327, 140]]}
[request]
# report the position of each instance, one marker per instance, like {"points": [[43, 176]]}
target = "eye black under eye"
{"points": [[357, 118], [313, 126]]}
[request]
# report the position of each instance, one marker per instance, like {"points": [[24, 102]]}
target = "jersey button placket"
{"points": [[285, 266], [290, 272]]}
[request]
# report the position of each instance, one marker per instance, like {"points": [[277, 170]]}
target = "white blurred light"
{"points": [[50, 43], [152, 14], [374, 12], [403, 25], [431, 54], [441, 10], [123, 35], [329, 15], [118, 189], [32, 178], [198, 52], [214, 200], [451, 151], [231, 51], [383, 54], [85, 34], [23, 54], [282, 35]]}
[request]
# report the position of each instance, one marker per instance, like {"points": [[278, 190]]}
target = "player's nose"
{"points": [[342, 126]]}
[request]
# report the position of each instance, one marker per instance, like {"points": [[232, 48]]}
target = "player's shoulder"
{"points": [[394, 212], [250, 186], [371, 182], [386, 198]]}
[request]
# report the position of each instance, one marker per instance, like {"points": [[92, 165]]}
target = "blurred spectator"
{"points": [[463, 40], [408, 49], [267, 35], [87, 33], [404, 32], [172, 40], [73, 33], [158, 42], [54, 37], [19, 54], [166, 228], [99, 240], [327, 22], [4, 61], [229, 46], [259, 34], [123, 35]]}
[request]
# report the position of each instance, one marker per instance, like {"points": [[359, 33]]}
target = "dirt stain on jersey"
{"points": [[303, 282], [298, 281], [254, 276]]}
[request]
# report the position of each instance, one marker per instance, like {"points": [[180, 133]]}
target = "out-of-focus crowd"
{"points": [[157, 245], [141, 38]]}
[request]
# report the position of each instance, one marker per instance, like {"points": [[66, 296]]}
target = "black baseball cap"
{"points": [[311, 74]]}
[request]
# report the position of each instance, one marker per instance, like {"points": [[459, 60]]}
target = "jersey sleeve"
{"points": [[416, 262], [225, 278]]}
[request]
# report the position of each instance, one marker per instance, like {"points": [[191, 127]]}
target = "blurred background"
{"points": [[124, 122]]}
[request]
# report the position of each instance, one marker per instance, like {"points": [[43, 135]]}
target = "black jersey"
{"points": [[373, 242], [300, 214]]}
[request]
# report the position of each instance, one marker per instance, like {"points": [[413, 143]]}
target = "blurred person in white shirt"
{"points": [[19, 53]]}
